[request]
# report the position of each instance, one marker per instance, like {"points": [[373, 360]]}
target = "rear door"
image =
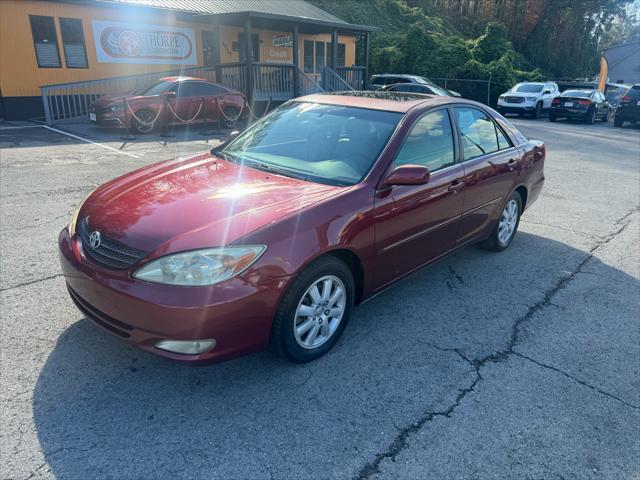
{"points": [[417, 224], [491, 167]]}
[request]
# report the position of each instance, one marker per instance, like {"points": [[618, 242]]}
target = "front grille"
{"points": [[514, 99], [110, 253]]}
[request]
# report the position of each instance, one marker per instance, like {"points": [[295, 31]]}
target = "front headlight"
{"points": [[200, 267], [116, 108], [531, 99]]}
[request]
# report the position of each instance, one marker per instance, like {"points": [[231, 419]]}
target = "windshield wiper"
{"points": [[272, 168]]}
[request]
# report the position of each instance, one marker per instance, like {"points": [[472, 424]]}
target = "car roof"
{"points": [[378, 100], [182, 79]]}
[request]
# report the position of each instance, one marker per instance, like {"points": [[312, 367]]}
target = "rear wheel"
{"points": [[314, 311], [538, 112], [590, 118], [552, 118], [506, 226], [617, 122]]}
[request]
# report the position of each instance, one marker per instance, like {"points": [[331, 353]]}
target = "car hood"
{"points": [[197, 202]]}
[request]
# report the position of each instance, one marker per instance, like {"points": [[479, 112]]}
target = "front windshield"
{"points": [[527, 88], [155, 89], [329, 144], [576, 93]]}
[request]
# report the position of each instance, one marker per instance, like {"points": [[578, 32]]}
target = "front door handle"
{"points": [[456, 186], [512, 164]]}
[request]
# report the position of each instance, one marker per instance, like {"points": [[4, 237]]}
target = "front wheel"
{"points": [[314, 311], [538, 112], [552, 118], [230, 117], [617, 122], [590, 118], [506, 226], [144, 121]]}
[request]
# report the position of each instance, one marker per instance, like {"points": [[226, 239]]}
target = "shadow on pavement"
{"points": [[104, 409]]}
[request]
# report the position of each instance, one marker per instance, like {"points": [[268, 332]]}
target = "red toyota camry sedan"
{"points": [[273, 237]]}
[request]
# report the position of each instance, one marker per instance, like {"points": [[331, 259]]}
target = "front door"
{"points": [[186, 104], [491, 167], [417, 224]]}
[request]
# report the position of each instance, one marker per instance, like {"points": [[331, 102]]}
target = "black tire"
{"points": [[145, 115], [283, 338], [493, 243], [617, 122], [552, 118], [538, 111], [230, 112], [590, 117]]}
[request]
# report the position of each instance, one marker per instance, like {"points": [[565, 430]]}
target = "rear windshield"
{"points": [[634, 92], [576, 93], [527, 88], [328, 144]]}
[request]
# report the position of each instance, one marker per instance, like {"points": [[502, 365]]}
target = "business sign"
{"points": [[282, 40], [141, 43]]}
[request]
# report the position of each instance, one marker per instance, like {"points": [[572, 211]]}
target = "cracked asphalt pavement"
{"points": [[523, 364]]}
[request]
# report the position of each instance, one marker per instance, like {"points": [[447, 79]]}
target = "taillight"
{"points": [[556, 101], [625, 99], [584, 102]]}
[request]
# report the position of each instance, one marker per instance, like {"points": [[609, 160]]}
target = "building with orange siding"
{"points": [[56, 42]]}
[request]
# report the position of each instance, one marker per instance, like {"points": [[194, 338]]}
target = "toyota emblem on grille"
{"points": [[94, 239]]}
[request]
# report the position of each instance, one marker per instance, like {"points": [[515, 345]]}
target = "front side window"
{"points": [[429, 143], [75, 53], [329, 144], [45, 41], [479, 133]]}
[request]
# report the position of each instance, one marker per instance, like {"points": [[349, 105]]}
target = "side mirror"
{"points": [[170, 94], [455, 94], [407, 175]]}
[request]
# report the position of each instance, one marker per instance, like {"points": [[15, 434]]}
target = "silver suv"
{"points": [[528, 98]]}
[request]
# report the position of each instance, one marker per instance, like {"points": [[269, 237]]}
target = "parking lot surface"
{"points": [[522, 364]]}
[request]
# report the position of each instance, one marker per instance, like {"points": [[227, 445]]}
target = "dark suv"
{"points": [[629, 108]]}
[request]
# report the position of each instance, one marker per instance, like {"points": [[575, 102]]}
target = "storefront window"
{"points": [[319, 56], [308, 56], [75, 53], [45, 41]]}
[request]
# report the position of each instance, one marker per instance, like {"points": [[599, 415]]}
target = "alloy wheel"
{"points": [[147, 117], [319, 312], [508, 222]]}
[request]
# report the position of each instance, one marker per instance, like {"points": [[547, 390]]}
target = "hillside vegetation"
{"points": [[505, 40]]}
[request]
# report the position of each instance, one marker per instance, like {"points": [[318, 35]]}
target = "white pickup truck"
{"points": [[531, 98]]}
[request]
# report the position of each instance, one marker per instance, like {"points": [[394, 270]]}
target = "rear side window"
{"points": [[205, 89], [479, 133], [398, 80], [45, 41], [378, 81], [634, 92], [429, 143]]}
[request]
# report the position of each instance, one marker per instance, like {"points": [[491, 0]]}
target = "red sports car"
{"points": [[274, 236], [188, 100]]}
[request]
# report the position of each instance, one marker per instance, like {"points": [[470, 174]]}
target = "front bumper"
{"points": [[524, 107], [236, 313], [566, 112]]}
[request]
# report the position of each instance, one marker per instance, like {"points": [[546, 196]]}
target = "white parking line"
{"points": [[92, 142], [13, 127]]}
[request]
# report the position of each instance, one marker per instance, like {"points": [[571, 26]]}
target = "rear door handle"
{"points": [[456, 186]]}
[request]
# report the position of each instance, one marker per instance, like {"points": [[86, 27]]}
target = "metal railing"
{"points": [[307, 85], [234, 75], [354, 76], [71, 101], [332, 82], [272, 82]]}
